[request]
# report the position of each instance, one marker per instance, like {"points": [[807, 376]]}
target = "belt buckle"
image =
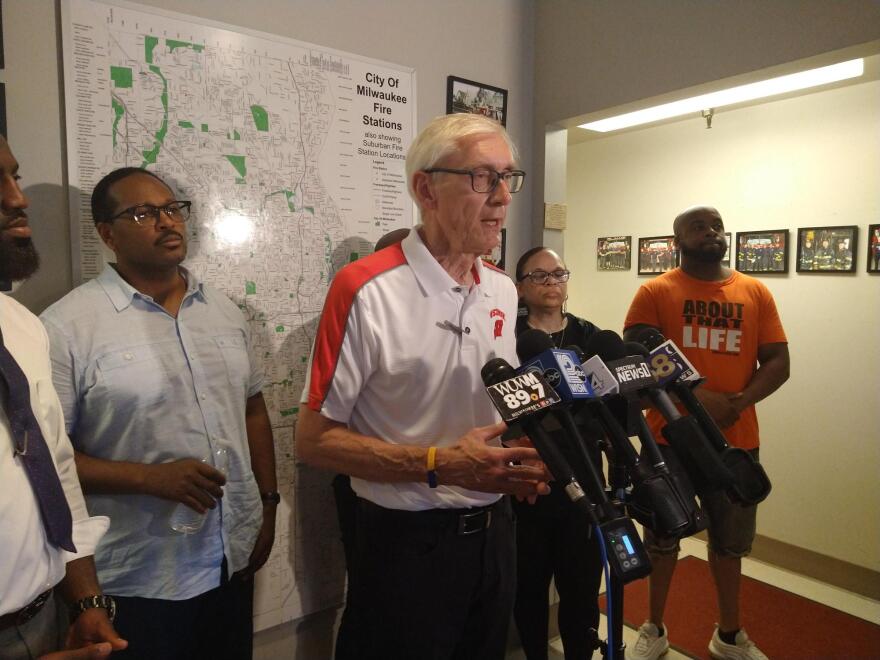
{"points": [[30, 610], [464, 520]]}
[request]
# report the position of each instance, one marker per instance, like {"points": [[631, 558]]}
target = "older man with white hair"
{"points": [[395, 399]]}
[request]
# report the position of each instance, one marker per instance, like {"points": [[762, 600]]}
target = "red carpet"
{"points": [[785, 626]]}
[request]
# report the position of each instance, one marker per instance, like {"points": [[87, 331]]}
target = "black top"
{"points": [[577, 331]]}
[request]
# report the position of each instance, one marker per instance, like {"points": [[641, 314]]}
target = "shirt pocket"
{"points": [[142, 375], [236, 359]]}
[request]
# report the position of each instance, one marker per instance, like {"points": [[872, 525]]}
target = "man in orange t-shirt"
{"points": [[727, 325]]}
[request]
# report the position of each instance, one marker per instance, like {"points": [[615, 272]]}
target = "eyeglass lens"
{"points": [[177, 211], [541, 276], [485, 180]]}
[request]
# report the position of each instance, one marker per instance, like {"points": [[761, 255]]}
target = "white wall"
{"points": [[808, 161]]}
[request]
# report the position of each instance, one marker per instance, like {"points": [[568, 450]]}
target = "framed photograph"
{"points": [[827, 249], [657, 254], [728, 238], [613, 253], [874, 248], [476, 98], [496, 256], [762, 251]]}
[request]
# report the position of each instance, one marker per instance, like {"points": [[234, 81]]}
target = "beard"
{"points": [[709, 254], [18, 259]]}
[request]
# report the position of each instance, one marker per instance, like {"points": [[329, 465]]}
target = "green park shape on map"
{"points": [[238, 163], [118, 112], [173, 43], [261, 117], [121, 76]]}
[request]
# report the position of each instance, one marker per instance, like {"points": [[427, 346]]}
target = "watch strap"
{"points": [[91, 602], [271, 497]]}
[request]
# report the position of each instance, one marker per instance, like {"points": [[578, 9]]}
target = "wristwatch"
{"points": [[90, 602], [271, 497]]}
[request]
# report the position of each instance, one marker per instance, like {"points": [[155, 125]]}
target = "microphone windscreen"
{"points": [[635, 348], [533, 342], [496, 370], [607, 344], [650, 337]]}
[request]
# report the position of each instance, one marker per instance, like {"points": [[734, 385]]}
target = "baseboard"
{"points": [[836, 572]]}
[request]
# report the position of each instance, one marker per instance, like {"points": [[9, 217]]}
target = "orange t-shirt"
{"points": [[719, 327]]}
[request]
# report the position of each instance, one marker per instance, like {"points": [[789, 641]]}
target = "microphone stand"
{"points": [[614, 649]]}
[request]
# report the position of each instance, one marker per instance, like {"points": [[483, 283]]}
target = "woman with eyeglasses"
{"points": [[554, 538]]}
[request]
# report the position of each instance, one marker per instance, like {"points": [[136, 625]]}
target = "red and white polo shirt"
{"points": [[398, 356]]}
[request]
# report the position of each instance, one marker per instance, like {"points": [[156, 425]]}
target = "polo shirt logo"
{"points": [[499, 322]]}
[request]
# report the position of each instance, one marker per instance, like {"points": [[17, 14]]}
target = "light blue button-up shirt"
{"points": [[137, 384]]}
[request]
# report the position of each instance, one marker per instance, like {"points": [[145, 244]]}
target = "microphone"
{"points": [[518, 398], [562, 370], [703, 466], [662, 500], [750, 483]]}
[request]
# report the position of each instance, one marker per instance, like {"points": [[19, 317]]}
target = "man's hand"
{"points": [[90, 629], [721, 407], [471, 463], [544, 488], [263, 546], [190, 481]]}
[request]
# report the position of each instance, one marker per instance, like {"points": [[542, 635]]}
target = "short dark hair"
{"points": [[521, 264], [102, 204]]}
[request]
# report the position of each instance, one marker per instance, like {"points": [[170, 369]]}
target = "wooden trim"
{"points": [[836, 572]]}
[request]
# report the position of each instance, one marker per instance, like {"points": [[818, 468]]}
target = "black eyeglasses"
{"points": [[485, 179], [542, 276], [143, 214]]}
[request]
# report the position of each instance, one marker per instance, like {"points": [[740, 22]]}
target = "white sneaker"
{"points": [[744, 649], [650, 645]]}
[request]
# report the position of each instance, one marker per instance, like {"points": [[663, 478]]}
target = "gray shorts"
{"points": [[731, 526]]}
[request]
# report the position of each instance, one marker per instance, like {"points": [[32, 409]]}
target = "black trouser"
{"points": [[435, 584], [554, 539], [217, 624], [346, 514]]}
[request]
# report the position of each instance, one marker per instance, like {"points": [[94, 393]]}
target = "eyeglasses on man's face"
{"points": [[542, 276], [146, 214], [485, 179]]}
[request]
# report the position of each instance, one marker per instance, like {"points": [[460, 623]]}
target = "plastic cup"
{"points": [[185, 520]]}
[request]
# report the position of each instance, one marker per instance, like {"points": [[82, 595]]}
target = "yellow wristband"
{"points": [[432, 475]]}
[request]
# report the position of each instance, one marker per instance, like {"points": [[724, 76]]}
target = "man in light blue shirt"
{"points": [[154, 373]]}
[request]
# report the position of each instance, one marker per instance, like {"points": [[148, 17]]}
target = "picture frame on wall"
{"points": [[472, 97], [657, 254], [496, 256], [827, 249], [728, 238], [614, 253], [874, 248], [762, 252]]}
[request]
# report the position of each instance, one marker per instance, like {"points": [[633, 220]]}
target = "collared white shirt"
{"points": [[398, 356], [137, 384], [29, 564]]}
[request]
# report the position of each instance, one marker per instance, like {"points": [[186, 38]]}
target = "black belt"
{"points": [[26, 613], [467, 521]]}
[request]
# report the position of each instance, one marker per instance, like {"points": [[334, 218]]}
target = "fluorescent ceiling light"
{"points": [[750, 92]]}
